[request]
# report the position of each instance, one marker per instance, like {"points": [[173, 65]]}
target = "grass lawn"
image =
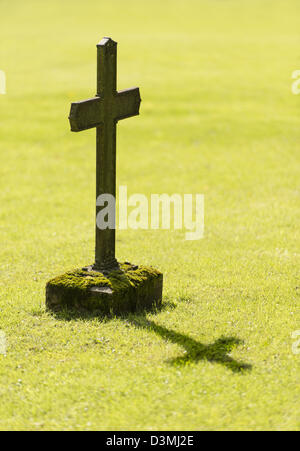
{"points": [[218, 117]]}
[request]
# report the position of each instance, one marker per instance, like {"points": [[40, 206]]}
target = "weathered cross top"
{"points": [[103, 112]]}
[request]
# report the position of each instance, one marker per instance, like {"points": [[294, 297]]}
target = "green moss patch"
{"points": [[128, 289]]}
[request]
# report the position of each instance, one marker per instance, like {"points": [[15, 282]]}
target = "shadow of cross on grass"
{"points": [[216, 352]]}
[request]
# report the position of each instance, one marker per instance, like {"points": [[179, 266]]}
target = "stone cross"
{"points": [[103, 112]]}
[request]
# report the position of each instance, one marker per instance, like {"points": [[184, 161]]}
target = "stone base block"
{"points": [[128, 289]]}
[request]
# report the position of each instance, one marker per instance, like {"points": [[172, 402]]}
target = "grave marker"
{"points": [[106, 285]]}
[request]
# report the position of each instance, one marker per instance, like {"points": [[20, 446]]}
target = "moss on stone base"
{"points": [[128, 289]]}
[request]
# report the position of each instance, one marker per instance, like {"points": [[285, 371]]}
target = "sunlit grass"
{"points": [[218, 118]]}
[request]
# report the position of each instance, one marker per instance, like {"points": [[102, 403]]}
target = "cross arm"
{"points": [[127, 103], [86, 114]]}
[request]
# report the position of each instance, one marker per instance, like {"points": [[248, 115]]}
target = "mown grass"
{"points": [[217, 118]]}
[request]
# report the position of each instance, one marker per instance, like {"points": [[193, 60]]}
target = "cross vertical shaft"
{"points": [[103, 112], [106, 148]]}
